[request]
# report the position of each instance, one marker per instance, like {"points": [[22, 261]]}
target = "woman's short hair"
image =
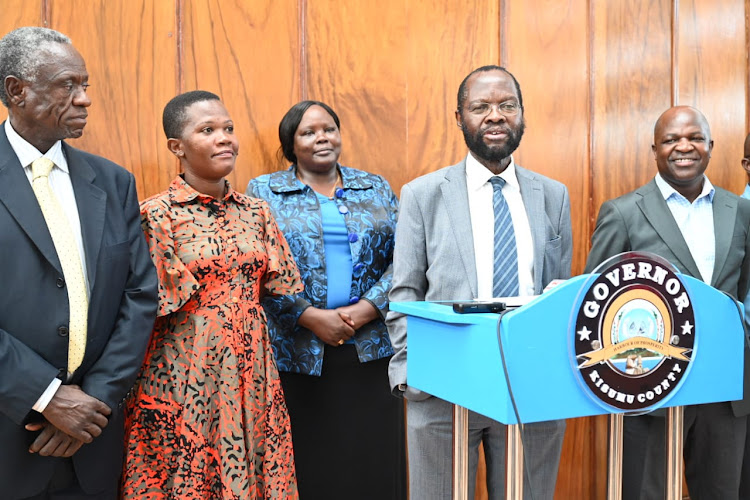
{"points": [[290, 122], [175, 112]]}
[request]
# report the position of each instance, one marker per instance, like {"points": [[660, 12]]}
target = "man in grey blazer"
{"points": [[444, 251], [705, 232], [61, 428]]}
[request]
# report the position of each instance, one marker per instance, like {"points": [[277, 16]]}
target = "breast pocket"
{"points": [[552, 257]]}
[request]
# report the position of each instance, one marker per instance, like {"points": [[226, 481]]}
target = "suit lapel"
{"points": [[533, 201], [725, 213], [92, 206], [457, 203], [18, 197], [657, 213]]}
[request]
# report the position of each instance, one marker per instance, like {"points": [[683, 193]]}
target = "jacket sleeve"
{"points": [[113, 373], [377, 295], [409, 279], [610, 236]]}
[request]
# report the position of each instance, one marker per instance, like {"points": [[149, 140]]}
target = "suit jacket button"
{"points": [[60, 282], [62, 331]]}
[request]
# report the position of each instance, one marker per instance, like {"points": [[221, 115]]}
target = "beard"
{"points": [[494, 154]]}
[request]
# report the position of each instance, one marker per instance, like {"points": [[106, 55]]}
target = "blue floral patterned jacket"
{"points": [[372, 210]]}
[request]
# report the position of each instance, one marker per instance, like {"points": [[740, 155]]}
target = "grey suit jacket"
{"points": [[434, 253], [34, 312], [642, 221]]}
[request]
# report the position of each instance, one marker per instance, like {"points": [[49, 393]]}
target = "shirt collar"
{"points": [[285, 181], [477, 175], [27, 153], [668, 191], [182, 192], [746, 193]]}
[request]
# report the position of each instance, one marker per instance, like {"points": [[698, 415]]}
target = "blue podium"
{"points": [[457, 357]]}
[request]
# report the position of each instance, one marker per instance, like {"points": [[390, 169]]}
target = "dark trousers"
{"points": [[347, 430], [64, 486], [713, 444]]}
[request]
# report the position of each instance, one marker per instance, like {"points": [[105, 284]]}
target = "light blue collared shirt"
{"points": [[696, 223], [746, 193]]}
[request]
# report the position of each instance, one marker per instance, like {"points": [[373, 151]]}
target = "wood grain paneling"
{"points": [[595, 76], [247, 53], [359, 68], [130, 51], [631, 84], [446, 41], [15, 14], [711, 66], [556, 98], [556, 144]]}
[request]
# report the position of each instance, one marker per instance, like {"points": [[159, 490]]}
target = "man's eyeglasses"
{"points": [[508, 108]]}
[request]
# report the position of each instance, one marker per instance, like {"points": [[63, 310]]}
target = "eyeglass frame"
{"points": [[512, 108]]}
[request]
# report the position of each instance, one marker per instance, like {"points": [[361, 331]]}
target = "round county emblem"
{"points": [[634, 334]]}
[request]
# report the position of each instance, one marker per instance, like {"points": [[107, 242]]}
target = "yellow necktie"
{"points": [[70, 258]]}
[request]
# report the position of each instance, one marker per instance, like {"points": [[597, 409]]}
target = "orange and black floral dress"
{"points": [[206, 418]]}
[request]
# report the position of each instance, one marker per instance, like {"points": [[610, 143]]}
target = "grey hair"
{"points": [[21, 54]]}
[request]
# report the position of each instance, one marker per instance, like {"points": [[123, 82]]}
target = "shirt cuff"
{"points": [[47, 395]]}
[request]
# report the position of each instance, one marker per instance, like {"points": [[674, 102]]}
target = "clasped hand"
{"points": [[336, 326], [73, 418]]}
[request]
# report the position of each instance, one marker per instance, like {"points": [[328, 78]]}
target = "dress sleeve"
{"points": [[176, 283], [282, 276]]}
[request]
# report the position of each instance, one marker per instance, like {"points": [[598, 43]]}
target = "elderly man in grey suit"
{"points": [[482, 228], [705, 232]]}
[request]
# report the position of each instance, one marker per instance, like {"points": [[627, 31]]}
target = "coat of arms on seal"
{"points": [[634, 333]]}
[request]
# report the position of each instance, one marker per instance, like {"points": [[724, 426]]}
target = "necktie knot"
{"points": [[497, 182], [41, 167]]}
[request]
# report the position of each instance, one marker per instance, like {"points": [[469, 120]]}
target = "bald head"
{"points": [[682, 148], [682, 114]]}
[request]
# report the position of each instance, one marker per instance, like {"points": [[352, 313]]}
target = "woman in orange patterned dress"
{"points": [[206, 418]]}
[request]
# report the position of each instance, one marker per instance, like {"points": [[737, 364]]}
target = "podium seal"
{"points": [[634, 332]]}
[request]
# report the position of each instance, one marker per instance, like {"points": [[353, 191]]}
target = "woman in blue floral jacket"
{"points": [[331, 343]]}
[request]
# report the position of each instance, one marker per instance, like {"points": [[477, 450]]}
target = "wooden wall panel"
{"points": [[595, 75], [130, 49], [553, 36], [446, 40], [631, 85], [17, 13], [711, 68], [358, 68], [247, 53]]}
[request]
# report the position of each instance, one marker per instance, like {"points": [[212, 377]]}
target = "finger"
{"points": [[103, 408], [94, 430], [99, 420], [35, 426], [42, 439], [56, 446], [74, 446], [335, 341], [346, 317], [81, 434]]}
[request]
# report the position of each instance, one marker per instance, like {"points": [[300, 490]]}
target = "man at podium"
{"points": [[703, 231], [482, 228]]}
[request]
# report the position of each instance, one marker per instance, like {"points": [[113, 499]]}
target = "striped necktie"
{"points": [[70, 259], [505, 263]]}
